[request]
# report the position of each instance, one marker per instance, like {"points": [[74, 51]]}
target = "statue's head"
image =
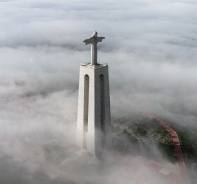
{"points": [[95, 34]]}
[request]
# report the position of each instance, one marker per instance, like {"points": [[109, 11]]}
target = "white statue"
{"points": [[93, 40]]}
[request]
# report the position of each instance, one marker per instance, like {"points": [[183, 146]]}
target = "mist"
{"points": [[150, 48]]}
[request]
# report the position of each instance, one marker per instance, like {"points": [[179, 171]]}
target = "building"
{"points": [[94, 117]]}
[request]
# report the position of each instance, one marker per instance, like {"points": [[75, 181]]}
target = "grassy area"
{"points": [[149, 133], [188, 140]]}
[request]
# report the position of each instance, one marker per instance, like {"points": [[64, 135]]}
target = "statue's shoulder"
{"points": [[99, 39], [88, 41]]}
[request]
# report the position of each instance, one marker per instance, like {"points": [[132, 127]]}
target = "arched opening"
{"points": [[102, 104], [86, 105]]}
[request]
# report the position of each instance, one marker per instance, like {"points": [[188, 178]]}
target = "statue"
{"points": [[93, 40]]}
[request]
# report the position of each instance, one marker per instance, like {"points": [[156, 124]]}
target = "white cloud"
{"points": [[150, 47]]}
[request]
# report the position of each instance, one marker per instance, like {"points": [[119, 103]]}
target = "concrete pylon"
{"points": [[94, 117]]}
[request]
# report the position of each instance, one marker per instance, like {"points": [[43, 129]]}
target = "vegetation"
{"points": [[145, 132], [141, 134]]}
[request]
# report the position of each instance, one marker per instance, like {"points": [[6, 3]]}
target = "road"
{"points": [[177, 146]]}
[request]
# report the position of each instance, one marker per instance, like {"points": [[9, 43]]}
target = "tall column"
{"points": [[94, 116], [93, 133]]}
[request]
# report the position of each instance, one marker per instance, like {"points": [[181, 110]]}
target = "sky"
{"points": [[151, 50]]}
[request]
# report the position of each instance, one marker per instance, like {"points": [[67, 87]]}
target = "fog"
{"points": [[150, 47]]}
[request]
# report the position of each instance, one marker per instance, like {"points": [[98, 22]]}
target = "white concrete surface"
{"points": [[93, 108]]}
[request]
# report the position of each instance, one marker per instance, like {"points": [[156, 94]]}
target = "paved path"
{"points": [[177, 146]]}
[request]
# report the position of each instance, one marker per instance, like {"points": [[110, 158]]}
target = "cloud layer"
{"points": [[150, 47]]}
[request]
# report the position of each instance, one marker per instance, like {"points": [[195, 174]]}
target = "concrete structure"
{"points": [[94, 117]]}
